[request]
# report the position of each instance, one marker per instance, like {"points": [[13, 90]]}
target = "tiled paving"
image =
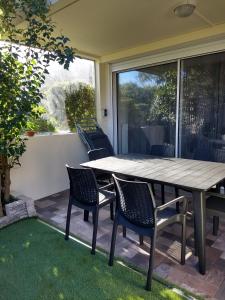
{"points": [[211, 286]]}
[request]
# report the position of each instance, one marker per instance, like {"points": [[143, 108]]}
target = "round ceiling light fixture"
{"points": [[185, 8]]}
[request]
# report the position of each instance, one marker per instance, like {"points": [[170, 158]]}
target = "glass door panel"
{"points": [[202, 108], [147, 108]]}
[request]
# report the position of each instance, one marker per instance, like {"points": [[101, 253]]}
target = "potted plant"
{"points": [[31, 128]]}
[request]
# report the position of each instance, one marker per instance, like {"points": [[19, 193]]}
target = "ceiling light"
{"points": [[185, 8]]}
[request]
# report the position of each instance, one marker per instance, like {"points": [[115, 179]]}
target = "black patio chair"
{"points": [[103, 178], [165, 150], [97, 153], [215, 207], [93, 136], [85, 194], [204, 150], [136, 210]]}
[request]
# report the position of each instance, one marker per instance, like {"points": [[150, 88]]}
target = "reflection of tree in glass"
{"points": [[163, 80], [54, 102], [153, 98]]}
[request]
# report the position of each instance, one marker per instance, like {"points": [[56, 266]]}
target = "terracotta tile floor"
{"points": [[211, 286]]}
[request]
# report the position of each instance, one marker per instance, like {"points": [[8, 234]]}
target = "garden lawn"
{"points": [[37, 263]]}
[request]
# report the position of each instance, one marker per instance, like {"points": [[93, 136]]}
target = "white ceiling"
{"points": [[102, 27]]}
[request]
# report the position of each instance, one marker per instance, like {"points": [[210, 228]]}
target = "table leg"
{"points": [[200, 219]]}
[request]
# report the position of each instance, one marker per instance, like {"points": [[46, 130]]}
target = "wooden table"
{"points": [[194, 175]]}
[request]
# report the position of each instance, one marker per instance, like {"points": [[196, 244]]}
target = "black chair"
{"points": [[103, 178], [136, 210], [85, 194], [97, 153], [93, 136], [215, 207], [165, 150], [204, 150]]}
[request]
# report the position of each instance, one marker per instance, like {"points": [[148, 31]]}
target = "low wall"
{"points": [[42, 170]]}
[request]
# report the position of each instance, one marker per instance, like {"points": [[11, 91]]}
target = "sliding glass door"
{"points": [[202, 108], [147, 108], [147, 102]]}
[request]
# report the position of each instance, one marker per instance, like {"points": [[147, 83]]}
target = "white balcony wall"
{"points": [[42, 170]]}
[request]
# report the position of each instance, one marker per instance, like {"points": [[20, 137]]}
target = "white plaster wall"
{"points": [[104, 99], [42, 170]]}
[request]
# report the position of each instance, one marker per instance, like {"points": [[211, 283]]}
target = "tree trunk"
{"points": [[5, 178], [1, 209]]}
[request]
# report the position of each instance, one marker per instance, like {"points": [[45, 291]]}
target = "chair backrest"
{"points": [[203, 151], [93, 137], [135, 202], [163, 150], [98, 153], [83, 186], [219, 155]]}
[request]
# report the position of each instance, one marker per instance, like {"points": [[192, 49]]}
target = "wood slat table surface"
{"points": [[196, 176], [186, 173]]}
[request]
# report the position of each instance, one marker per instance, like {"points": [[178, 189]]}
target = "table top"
{"points": [[186, 173]]}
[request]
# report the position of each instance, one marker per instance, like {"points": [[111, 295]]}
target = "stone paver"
{"points": [[211, 286]]}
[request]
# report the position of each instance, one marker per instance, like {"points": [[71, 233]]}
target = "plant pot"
{"points": [[30, 133]]}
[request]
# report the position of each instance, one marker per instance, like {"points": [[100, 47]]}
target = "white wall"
{"points": [[104, 99], [42, 170]]}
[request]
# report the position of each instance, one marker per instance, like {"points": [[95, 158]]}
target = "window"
{"points": [[202, 109], [147, 108], [147, 101], [60, 80]]}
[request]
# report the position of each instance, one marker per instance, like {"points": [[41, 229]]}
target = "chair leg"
{"points": [[177, 204], [113, 242], [95, 229], [124, 231], [141, 240], [163, 193], [151, 263], [86, 215], [111, 211], [216, 221], [68, 220], [183, 240]]}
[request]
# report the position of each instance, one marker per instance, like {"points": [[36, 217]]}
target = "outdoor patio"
{"points": [[212, 286], [129, 89]]}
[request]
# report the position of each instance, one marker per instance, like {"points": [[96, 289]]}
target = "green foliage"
{"points": [[40, 125], [23, 69], [152, 100], [25, 55], [163, 84], [79, 103], [163, 108]]}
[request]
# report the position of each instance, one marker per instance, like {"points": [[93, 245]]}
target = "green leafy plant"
{"points": [[25, 55], [40, 125], [79, 103], [31, 126]]}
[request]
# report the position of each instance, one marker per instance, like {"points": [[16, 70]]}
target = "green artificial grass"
{"points": [[36, 263]]}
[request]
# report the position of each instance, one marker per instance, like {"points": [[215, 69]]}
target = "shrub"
{"points": [[79, 103]]}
